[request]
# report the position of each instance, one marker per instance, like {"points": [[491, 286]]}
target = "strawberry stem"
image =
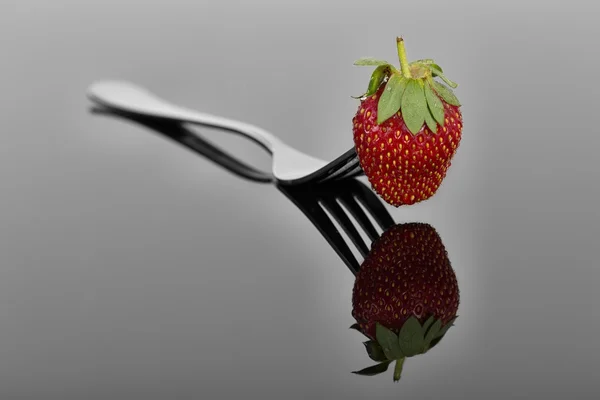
{"points": [[402, 56], [398, 369]]}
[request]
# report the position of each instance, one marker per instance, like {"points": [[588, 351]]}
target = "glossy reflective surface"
{"points": [[134, 268]]}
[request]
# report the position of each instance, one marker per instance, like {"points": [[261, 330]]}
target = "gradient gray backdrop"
{"points": [[131, 268]]}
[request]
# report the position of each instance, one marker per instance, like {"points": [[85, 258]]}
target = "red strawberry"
{"points": [[405, 296], [407, 129]]}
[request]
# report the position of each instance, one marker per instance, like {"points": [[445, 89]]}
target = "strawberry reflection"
{"points": [[405, 296]]}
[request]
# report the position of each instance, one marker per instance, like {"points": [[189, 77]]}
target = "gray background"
{"points": [[131, 268]]}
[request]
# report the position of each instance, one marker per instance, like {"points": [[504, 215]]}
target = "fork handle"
{"points": [[130, 98]]}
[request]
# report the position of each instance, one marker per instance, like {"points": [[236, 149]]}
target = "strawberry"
{"points": [[407, 128], [405, 296]]}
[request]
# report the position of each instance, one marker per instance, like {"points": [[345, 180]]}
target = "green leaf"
{"points": [[444, 329], [377, 77], [433, 330], [370, 61], [388, 341], [436, 70], [448, 81], [414, 105], [434, 342], [356, 327], [428, 323], [391, 98], [374, 369], [411, 337], [398, 369], [446, 93], [435, 104], [375, 351], [431, 124], [442, 332]]}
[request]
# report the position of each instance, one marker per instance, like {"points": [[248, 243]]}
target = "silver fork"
{"points": [[289, 166]]}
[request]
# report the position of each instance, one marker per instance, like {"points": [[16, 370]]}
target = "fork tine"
{"points": [[372, 203], [356, 171], [343, 171], [352, 205], [337, 167], [353, 172], [331, 204], [308, 203]]}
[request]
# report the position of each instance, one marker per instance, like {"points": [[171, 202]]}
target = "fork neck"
{"points": [[261, 137]]}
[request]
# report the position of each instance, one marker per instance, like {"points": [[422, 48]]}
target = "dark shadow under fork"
{"points": [[347, 203]]}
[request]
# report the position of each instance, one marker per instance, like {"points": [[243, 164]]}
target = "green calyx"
{"points": [[412, 339], [412, 90]]}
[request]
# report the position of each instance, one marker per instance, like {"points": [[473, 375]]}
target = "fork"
{"points": [[289, 166], [315, 200], [344, 199]]}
